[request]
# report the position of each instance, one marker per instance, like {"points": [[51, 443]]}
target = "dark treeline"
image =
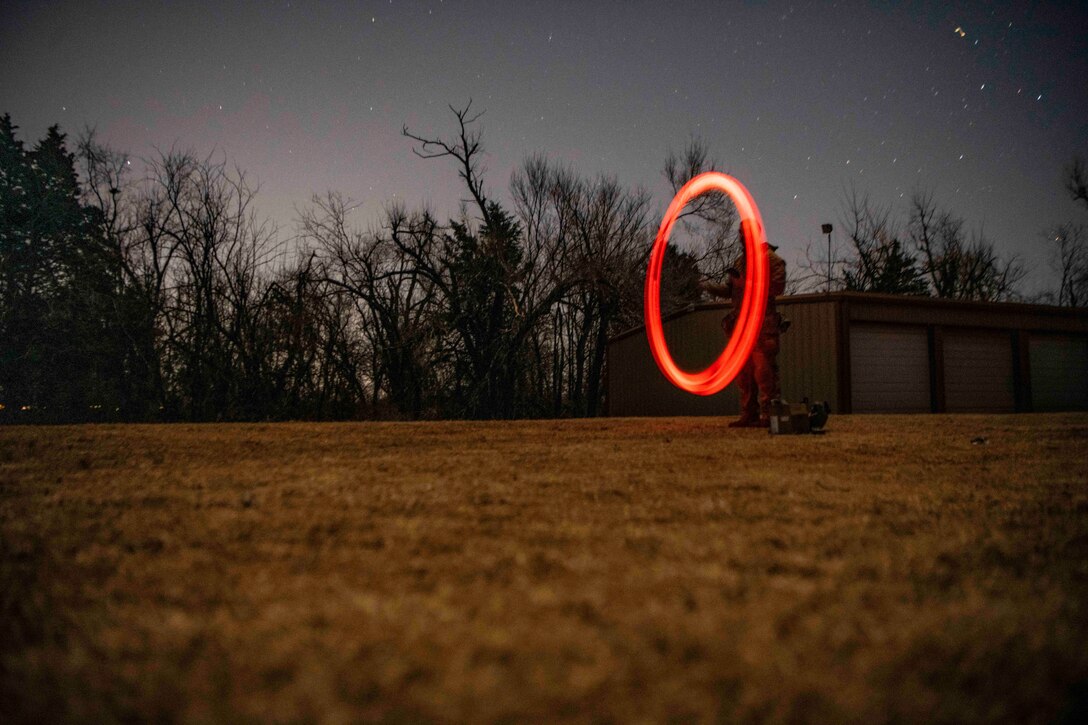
{"points": [[925, 249], [165, 298], [162, 295]]}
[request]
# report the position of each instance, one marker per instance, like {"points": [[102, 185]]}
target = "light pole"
{"points": [[826, 229]]}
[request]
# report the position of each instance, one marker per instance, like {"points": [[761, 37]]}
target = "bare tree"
{"points": [[127, 216], [878, 261], [1069, 243], [708, 226], [207, 248], [465, 148], [596, 239], [611, 238], [488, 278], [1076, 181], [399, 308], [539, 191], [313, 350], [1070, 260], [956, 264]]}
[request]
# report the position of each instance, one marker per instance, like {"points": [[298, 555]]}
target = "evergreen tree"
{"points": [[883, 265], [58, 362], [483, 279], [20, 275]]}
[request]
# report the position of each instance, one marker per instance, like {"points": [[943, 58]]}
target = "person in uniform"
{"points": [[758, 379]]}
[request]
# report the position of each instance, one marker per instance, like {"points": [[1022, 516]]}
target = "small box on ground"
{"points": [[789, 418]]}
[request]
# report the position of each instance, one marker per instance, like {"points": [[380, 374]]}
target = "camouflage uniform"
{"points": [[761, 369]]}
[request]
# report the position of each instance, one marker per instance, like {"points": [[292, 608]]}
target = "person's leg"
{"points": [[749, 403], [765, 371]]}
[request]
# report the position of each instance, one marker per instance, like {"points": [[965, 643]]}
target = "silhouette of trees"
{"points": [[58, 359], [157, 298], [164, 297], [502, 311], [1076, 181], [708, 225], [396, 309], [925, 251], [1069, 244], [1070, 259], [878, 261], [959, 265], [595, 236], [158, 294], [490, 276], [108, 195]]}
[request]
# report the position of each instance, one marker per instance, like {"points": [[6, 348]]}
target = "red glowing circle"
{"points": [[750, 317]]}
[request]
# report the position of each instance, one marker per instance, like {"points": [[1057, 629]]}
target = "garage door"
{"points": [[978, 372], [889, 369], [1059, 372]]}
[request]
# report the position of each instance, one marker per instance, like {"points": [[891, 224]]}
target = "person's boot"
{"points": [[765, 415], [746, 420]]}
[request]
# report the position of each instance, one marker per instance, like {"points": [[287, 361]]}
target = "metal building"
{"points": [[870, 353]]}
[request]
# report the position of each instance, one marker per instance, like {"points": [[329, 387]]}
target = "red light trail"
{"points": [[750, 318]]}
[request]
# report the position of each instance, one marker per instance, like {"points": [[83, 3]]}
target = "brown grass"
{"points": [[616, 570]]}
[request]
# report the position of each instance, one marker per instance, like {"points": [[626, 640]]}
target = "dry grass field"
{"points": [[619, 570]]}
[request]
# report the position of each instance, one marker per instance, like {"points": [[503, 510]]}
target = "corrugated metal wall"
{"points": [[889, 368], [975, 351], [979, 371], [808, 357], [807, 362], [637, 387], [1059, 372]]}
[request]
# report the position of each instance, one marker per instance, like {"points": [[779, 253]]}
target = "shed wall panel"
{"points": [[978, 372], [891, 374], [807, 358], [635, 385], [1059, 372], [889, 369]]}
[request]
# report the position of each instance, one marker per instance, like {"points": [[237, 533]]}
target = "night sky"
{"points": [[982, 104]]}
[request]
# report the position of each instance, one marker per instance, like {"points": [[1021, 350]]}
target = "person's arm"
{"points": [[736, 278], [718, 290]]}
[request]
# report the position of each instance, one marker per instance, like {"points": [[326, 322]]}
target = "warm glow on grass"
{"points": [[598, 570]]}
